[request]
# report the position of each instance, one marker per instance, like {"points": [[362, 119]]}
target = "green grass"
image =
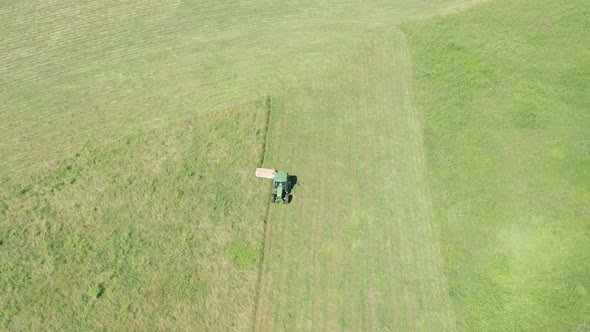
{"points": [[503, 95], [130, 131], [354, 250], [143, 232], [84, 74]]}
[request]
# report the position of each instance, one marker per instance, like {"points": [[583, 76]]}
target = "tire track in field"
{"points": [[266, 240], [316, 243], [365, 183]]}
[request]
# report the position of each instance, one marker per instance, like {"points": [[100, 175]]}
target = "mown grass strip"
{"points": [[355, 249]]}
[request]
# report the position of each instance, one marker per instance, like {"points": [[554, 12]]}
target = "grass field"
{"points": [[130, 131], [142, 233], [503, 94], [442, 170], [344, 255], [104, 69]]}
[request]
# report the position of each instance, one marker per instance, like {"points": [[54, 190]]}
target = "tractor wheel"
{"points": [[273, 198], [287, 199]]}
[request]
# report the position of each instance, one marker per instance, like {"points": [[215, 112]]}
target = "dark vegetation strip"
{"points": [[268, 109]]}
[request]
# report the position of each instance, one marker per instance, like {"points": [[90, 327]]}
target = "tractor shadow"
{"points": [[293, 181]]}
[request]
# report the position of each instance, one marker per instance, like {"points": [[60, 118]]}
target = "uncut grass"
{"points": [[156, 231], [503, 95]]}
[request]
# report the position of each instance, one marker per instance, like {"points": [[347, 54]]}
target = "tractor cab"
{"points": [[280, 180]]}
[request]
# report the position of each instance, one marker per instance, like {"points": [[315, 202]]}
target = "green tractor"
{"points": [[281, 188], [281, 184]]}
